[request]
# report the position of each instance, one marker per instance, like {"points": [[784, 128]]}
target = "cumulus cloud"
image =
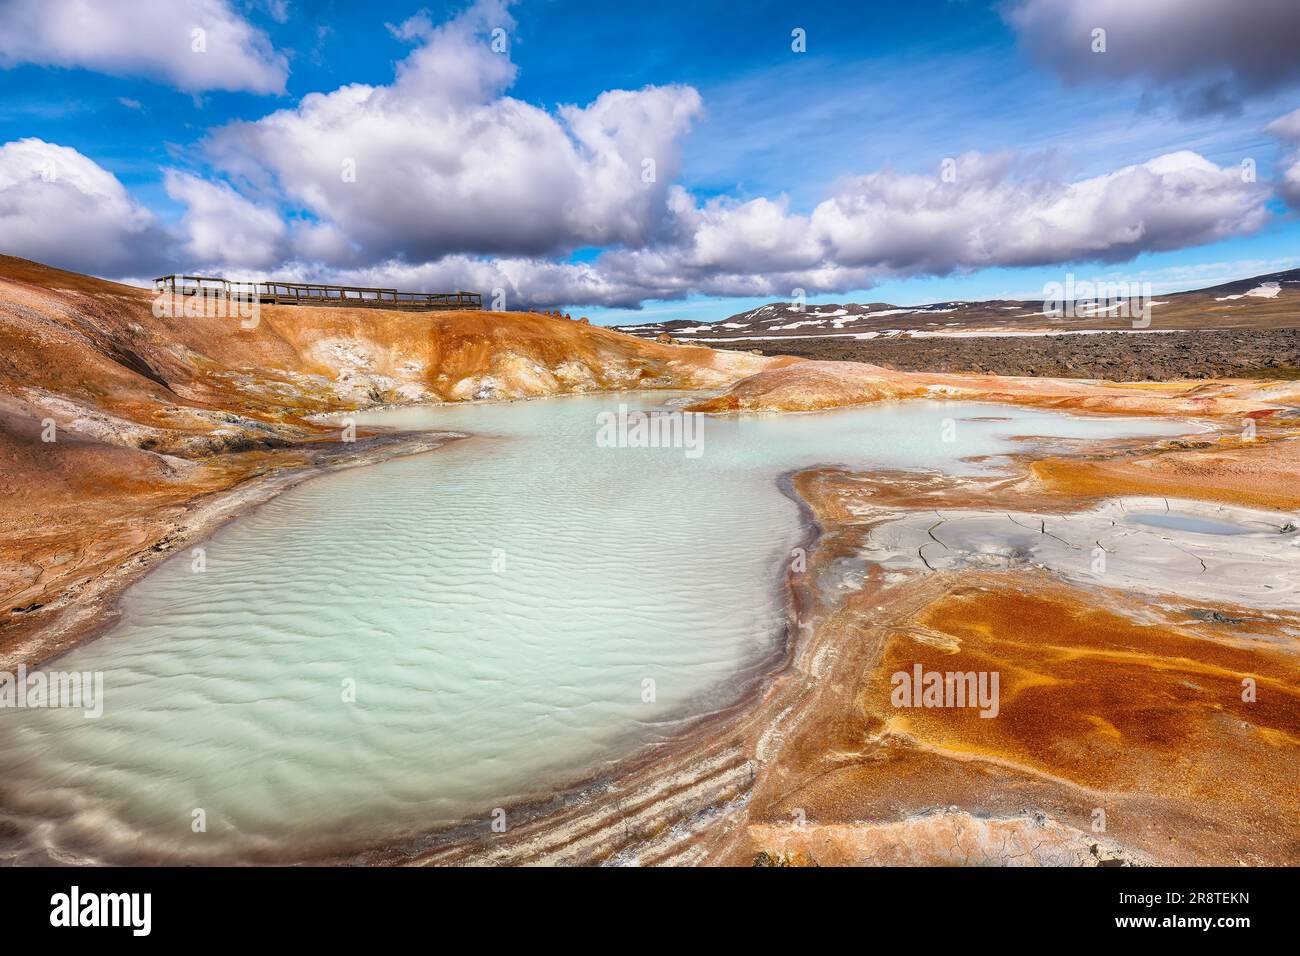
{"points": [[1287, 129], [999, 211], [225, 228], [59, 206], [442, 162], [1208, 55], [154, 38], [990, 217]]}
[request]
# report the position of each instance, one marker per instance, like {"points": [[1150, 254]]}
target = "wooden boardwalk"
{"points": [[274, 292]]}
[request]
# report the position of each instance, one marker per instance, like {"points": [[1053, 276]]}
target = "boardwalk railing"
{"points": [[273, 292]]}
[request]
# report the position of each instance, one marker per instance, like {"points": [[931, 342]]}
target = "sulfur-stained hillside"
{"points": [[94, 355]]}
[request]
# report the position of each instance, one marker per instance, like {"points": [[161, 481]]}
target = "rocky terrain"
{"points": [[1116, 356], [1240, 328]]}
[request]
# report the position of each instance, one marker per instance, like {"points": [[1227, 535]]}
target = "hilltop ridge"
{"points": [[1265, 301]]}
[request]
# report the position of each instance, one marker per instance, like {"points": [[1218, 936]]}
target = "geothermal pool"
{"points": [[386, 650]]}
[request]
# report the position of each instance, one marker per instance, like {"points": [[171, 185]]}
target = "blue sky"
{"points": [[889, 89]]}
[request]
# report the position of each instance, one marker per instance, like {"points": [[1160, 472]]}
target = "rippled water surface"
{"points": [[496, 607]]}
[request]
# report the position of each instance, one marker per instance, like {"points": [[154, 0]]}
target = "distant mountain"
{"points": [[1266, 301]]}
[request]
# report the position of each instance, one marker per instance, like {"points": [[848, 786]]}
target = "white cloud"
{"points": [[884, 225], [999, 212], [1287, 128], [890, 224], [990, 217], [277, 10], [58, 206], [446, 163], [154, 38], [413, 28], [223, 227], [1207, 54]]}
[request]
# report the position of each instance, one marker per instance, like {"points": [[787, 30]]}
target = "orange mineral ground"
{"points": [[1130, 731], [1135, 724]]}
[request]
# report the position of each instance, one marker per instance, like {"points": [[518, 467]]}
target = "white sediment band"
{"points": [[1248, 558]]}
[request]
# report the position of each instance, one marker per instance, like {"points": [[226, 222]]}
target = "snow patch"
{"points": [[1269, 290]]}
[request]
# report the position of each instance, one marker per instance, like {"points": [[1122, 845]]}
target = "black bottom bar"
{"points": [[332, 906]]}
